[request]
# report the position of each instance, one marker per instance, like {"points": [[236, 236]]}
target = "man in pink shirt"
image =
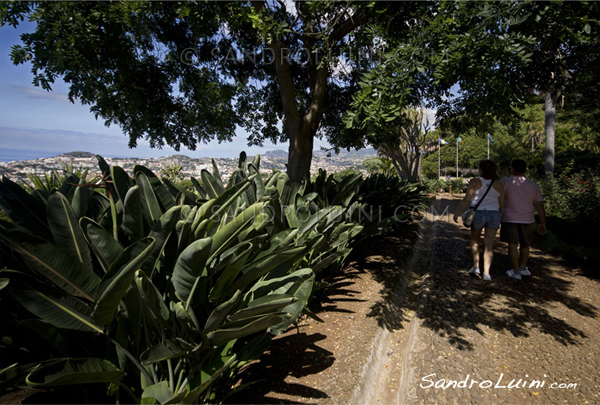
{"points": [[520, 197]]}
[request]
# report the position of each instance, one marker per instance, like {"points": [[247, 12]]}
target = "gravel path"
{"points": [[406, 324], [505, 341]]}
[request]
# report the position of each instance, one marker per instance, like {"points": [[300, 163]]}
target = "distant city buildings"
{"points": [[191, 167]]}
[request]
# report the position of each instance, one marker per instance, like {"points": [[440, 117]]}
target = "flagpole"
{"points": [[457, 157], [439, 159]]}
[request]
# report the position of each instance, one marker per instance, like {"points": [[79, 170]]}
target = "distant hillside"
{"points": [[275, 154], [78, 154], [353, 154]]}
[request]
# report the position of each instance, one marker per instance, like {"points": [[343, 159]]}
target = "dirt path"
{"points": [[403, 323], [507, 341]]}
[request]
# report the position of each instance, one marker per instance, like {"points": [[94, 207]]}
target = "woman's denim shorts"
{"points": [[486, 219]]}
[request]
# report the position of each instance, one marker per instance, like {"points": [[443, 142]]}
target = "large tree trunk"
{"points": [[300, 152], [550, 122], [301, 127]]}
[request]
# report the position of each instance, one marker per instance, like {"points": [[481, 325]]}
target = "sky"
{"points": [[35, 123]]}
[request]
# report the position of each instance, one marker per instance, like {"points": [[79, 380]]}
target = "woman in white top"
{"points": [[487, 215]]}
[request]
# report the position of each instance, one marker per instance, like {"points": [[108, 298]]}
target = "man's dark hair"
{"points": [[519, 165]]}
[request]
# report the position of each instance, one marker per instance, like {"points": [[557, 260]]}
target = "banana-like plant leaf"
{"points": [[184, 228], [259, 268], [163, 351], [278, 241], [232, 262], [118, 279], [348, 188], [160, 393], [75, 371], [134, 224], [220, 313], [82, 199], [192, 396], [161, 233], [154, 308], [149, 200], [215, 172], [301, 289], [224, 236], [258, 181], [190, 273], [58, 267], [271, 303], [106, 176], [328, 260], [199, 189], [165, 198], [121, 180], [4, 282], [279, 285], [211, 185], [64, 226], [104, 245], [329, 212], [221, 336], [65, 312], [23, 209], [175, 189]]}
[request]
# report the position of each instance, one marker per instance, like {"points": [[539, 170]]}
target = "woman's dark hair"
{"points": [[488, 169]]}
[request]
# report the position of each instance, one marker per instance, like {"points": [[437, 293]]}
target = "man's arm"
{"points": [[539, 205]]}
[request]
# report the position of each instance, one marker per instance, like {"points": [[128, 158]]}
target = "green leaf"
{"points": [[133, 214], [231, 262], [22, 208], [302, 290], [106, 248], [63, 312], [201, 191], [211, 185], [271, 303], [160, 393], [118, 279], [149, 201], [219, 314], [259, 268], [82, 198], [161, 233], [161, 352], [165, 198], [190, 273], [121, 180], [57, 267], [65, 229], [154, 307], [221, 336], [3, 283], [224, 236], [75, 371]]}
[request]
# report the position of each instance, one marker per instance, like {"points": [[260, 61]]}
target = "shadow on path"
{"points": [[456, 301]]}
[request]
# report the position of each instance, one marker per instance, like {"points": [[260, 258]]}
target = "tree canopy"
{"points": [[180, 73]]}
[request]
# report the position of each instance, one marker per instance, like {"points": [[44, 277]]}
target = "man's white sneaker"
{"points": [[487, 277], [511, 273], [524, 271], [474, 270]]}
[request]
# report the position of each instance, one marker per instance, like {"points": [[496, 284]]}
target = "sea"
{"points": [[9, 155]]}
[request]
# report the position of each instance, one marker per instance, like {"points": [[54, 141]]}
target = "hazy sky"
{"points": [[36, 123]]}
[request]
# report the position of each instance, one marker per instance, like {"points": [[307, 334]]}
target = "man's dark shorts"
{"points": [[516, 233]]}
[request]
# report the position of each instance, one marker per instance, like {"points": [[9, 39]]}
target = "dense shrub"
{"points": [[140, 290], [574, 197]]}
